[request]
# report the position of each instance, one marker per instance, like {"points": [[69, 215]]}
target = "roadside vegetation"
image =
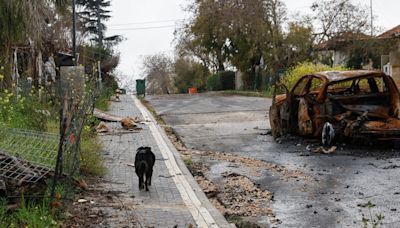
{"points": [[30, 101], [296, 72]]}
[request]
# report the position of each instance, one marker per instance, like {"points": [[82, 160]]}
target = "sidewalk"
{"points": [[174, 199]]}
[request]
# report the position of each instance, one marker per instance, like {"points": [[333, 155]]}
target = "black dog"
{"points": [[144, 162]]}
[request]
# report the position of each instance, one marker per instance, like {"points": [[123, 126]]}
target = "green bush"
{"points": [[103, 99], [25, 111], [214, 82], [293, 74], [227, 79]]}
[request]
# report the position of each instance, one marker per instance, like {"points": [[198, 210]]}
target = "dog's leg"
{"points": [[145, 183], [140, 182], [148, 176]]}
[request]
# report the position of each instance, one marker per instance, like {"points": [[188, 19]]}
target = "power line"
{"points": [[144, 28], [146, 22]]}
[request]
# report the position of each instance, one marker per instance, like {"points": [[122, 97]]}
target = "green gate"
{"points": [[141, 87]]}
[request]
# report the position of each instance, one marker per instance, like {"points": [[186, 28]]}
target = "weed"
{"points": [[102, 102], [188, 161], [373, 221], [28, 214], [91, 159]]}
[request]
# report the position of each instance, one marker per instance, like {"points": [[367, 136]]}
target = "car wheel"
{"points": [[328, 135]]}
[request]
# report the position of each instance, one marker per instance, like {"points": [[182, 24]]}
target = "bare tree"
{"points": [[158, 72], [338, 19]]}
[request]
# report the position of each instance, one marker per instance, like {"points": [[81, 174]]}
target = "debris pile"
{"points": [[18, 176], [254, 164], [236, 196], [242, 197]]}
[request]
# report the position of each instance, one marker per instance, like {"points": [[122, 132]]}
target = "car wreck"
{"points": [[354, 104]]}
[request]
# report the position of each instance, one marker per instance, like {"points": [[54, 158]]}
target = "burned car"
{"points": [[355, 104]]}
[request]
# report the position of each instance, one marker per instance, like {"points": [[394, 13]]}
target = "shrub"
{"points": [[213, 82], [293, 74], [24, 111], [227, 80], [104, 98]]}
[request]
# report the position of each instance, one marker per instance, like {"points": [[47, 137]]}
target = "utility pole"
{"points": [[99, 31], [372, 26], [74, 31], [100, 34]]}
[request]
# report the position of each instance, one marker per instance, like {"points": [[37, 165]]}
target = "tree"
{"points": [[298, 43], [339, 18], [189, 73], [239, 32], [24, 22], [158, 73], [93, 15]]}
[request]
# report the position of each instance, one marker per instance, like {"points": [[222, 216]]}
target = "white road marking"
{"points": [[200, 214]]}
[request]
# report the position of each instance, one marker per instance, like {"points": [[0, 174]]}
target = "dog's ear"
{"points": [[140, 148], [147, 148]]}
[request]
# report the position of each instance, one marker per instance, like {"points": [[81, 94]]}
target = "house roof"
{"points": [[341, 40], [391, 33]]}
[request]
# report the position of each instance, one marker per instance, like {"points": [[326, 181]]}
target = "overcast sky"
{"points": [[148, 26]]}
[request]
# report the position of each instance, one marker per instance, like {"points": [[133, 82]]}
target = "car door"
{"points": [[290, 108]]}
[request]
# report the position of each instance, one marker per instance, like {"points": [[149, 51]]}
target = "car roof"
{"points": [[338, 76]]}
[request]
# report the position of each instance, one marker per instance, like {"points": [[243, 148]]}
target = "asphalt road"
{"points": [[335, 187]]}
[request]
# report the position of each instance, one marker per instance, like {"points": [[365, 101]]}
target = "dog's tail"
{"points": [[143, 166]]}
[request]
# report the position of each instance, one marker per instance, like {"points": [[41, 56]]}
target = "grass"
{"points": [[188, 161], [28, 214], [91, 159], [266, 93], [103, 101]]}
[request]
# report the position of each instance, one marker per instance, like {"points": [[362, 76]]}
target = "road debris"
{"points": [[325, 151], [102, 127], [82, 200], [105, 116], [239, 196]]}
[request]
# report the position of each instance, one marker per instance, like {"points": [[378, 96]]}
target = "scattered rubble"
{"points": [[98, 205], [255, 165], [237, 196], [102, 127]]}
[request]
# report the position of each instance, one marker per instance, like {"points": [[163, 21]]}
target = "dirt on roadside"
{"points": [[236, 196], [96, 205]]}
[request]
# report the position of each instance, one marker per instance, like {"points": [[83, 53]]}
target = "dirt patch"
{"points": [[256, 165], [237, 196], [98, 205]]}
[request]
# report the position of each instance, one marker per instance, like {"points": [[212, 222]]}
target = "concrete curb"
{"points": [[204, 213]]}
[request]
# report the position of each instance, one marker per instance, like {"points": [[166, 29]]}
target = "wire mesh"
{"points": [[26, 156]]}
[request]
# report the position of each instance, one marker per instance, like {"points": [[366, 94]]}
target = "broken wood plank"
{"points": [[105, 116]]}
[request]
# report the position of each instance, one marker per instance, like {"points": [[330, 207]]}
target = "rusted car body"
{"points": [[357, 103]]}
